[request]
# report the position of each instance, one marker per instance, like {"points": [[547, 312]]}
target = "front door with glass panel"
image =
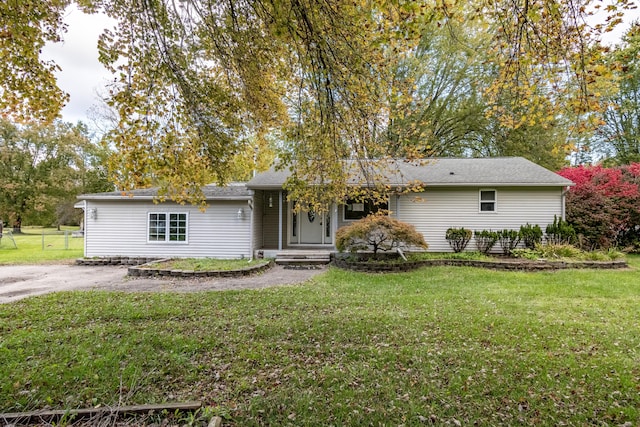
{"points": [[310, 228]]}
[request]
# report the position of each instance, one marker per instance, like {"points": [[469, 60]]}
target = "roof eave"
{"points": [[151, 198], [450, 184]]}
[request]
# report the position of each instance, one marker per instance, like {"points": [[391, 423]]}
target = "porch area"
{"points": [[297, 257]]}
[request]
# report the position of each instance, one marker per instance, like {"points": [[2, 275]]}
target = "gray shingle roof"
{"points": [[494, 171], [233, 191]]}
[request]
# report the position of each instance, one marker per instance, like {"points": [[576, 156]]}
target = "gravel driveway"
{"points": [[22, 281]]}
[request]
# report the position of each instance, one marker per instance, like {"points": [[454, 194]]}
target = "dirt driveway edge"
{"points": [[22, 281]]}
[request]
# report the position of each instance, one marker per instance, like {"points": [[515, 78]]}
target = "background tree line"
{"points": [[42, 170]]}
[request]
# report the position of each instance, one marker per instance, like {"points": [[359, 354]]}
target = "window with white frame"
{"points": [[167, 227], [488, 201]]}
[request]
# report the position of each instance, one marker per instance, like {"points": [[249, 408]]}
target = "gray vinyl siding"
{"points": [[270, 220], [435, 210], [258, 212], [285, 219], [120, 229]]}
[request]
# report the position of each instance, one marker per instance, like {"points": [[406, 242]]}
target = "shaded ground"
{"points": [[22, 281]]}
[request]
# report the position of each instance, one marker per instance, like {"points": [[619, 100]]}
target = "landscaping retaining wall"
{"points": [[115, 260], [517, 265]]}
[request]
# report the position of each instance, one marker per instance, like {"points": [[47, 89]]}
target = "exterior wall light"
{"points": [[240, 213], [93, 213]]}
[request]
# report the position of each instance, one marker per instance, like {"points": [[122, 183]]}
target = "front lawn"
{"points": [[445, 345], [36, 245]]}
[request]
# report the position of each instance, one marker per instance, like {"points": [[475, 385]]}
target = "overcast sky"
{"points": [[82, 76]]}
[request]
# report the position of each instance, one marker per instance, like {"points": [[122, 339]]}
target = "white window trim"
{"points": [[343, 208], [166, 237], [495, 201]]}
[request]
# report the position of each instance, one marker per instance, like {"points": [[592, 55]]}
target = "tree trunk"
{"points": [[17, 226]]}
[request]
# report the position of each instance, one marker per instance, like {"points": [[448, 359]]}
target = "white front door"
{"points": [[310, 228]]}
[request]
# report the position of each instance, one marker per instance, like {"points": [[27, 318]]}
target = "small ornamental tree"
{"points": [[378, 233], [458, 238], [604, 205]]}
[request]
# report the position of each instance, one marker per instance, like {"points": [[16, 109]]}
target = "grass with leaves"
{"points": [[445, 345], [36, 245]]}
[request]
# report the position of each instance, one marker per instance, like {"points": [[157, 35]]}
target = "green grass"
{"points": [[30, 249], [442, 345], [206, 264]]}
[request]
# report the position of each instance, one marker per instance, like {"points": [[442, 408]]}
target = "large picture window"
{"points": [[356, 209], [167, 227], [488, 201]]}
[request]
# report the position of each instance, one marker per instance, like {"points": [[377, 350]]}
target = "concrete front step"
{"points": [[306, 261], [303, 257]]}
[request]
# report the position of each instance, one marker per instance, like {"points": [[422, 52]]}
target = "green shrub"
{"points": [[508, 240], [531, 235], [526, 253], [558, 250], [564, 251], [603, 255], [378, 233], [458, 238], [560, 232], [485, 240]]}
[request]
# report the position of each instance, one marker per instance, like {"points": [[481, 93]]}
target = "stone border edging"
{"points": [[141, 271], [116, 260], [510, 265]]}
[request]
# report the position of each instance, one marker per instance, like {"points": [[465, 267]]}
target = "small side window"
{"points": [[488, 201]]}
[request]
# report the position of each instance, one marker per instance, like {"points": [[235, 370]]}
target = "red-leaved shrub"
{"points": [[604, 205]]}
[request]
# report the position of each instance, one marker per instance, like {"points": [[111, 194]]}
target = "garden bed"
{"points": [[156, 268]]}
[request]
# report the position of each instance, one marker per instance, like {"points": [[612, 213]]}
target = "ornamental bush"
{"points": [[508, 240], [560, 232], [378, 233], [604, 205], [458, 238], [485, 240], [530, 235]]}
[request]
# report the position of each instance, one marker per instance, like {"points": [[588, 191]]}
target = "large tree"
{"points": [[619, 136], [438, 107], [42, 169], [199, 80]]}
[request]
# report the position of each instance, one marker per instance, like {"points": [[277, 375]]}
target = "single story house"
{"points": [[244, 219]]}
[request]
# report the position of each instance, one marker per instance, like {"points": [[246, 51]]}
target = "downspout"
{"points": [[565, 190], [251, 224]]}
